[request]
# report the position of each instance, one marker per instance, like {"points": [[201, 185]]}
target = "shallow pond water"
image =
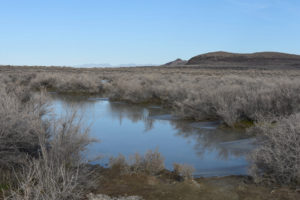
{"points": [[127, 129]]}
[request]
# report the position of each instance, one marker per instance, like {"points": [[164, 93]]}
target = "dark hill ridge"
{"points": [[260, 59], [176, 62]]}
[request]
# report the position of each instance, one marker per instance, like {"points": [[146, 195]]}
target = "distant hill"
{"points": [[176, 62], [260, 59]]}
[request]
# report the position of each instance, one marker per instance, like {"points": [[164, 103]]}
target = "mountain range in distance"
{"points": [[100, 65], [223, 59]]}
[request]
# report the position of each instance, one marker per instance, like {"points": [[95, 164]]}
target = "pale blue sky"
{"points": [[71, 32]]}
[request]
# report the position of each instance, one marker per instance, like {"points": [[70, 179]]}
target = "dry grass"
{"points": [[184, 170], [151, 163]]}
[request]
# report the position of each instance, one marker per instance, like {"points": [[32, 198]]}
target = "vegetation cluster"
{"points": [[45, 155]]}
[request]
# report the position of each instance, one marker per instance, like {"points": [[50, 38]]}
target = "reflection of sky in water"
{"points": [[127, 129]]}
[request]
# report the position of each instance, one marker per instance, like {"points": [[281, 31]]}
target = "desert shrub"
{"points": [[20, 126], [130, 90], [45, 180], [277, 159], [119, 163], [151, 163], [68, 139], [81, 84], [26, 79], [56, 173], [22, 79], [68, 83], [184, 170], [230, 98], [40, 157], [48, 81], [235, 99], [199, 94]]}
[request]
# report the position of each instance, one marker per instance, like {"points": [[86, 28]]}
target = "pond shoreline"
{"points": [[168, 187], [119, 125]]}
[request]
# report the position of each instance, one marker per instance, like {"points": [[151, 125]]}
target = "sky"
{"points": [[75, 32]]}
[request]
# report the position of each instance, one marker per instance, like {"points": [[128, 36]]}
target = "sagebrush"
{"points": [[277, 159]]}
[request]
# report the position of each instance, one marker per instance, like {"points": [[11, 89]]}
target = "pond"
{"points": [[125, 128]]}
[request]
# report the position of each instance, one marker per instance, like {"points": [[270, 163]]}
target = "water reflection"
{"points": [[214, 139], [134, 113], [208, 137], [125, 128]]}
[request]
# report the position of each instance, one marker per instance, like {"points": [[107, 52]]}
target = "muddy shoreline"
{"points": [[169, 186]]}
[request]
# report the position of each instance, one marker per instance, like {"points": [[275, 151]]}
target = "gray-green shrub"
{"points": [[200, 94], [57, 172], [40, 158], [277, 159]]}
